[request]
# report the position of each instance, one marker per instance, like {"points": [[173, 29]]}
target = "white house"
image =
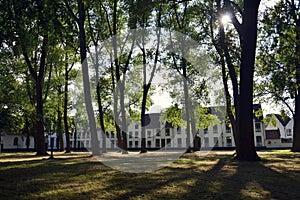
{"points": [[163, 135], [16, 141], [221, 135], [281, 134]]}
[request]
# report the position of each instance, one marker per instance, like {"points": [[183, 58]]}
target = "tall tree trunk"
{"points": [[86, 82], [248, 35], [296, 128], [59, 129], [123, 118], [27, 132], [194, 132], [143, 119], [101, 119], [99, 101], [226, 59], [147, 85], [120, 123], [66, 99], [187, 108], [75, 134], [40, 137]]}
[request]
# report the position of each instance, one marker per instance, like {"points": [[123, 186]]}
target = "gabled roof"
{"points": [[257, 108], [152, 121], [283, 121], [219, 112]]}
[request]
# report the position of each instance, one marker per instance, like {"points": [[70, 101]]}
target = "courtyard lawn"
{"points": [[216, 176]]}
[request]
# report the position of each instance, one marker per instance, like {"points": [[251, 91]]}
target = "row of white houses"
{"points": [[161, 134]]}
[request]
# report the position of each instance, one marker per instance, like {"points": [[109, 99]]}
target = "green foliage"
{"points": [[270, 120], [173, 115], [205, 119], [278, 57]]}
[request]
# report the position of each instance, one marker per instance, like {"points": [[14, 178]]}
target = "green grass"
{"points": [[216, 176]]}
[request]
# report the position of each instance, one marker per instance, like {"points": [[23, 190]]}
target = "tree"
{"points": [[32, 37], [279, 60], [247, 12], [141, 17], [80, 20]]}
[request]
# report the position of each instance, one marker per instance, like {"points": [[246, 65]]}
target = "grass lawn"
{"points": [[216, 176]]}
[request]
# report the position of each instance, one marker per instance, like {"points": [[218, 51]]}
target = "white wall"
{"points": [[8, 141]]}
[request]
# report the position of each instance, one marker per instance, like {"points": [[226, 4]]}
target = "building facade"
{"points": [[163, 135], [280, 134]]}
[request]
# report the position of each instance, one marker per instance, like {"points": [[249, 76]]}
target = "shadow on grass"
{"points": [[228, 179], [216, 177]]}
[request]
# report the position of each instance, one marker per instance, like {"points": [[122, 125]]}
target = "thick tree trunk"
{"points": [[245, 109], [194, 132], [101, 119], [123, 114], [86, 82], [187, 111], [27, 132], [296, 128], [40, 137], [143, 114], [59, 129], [66, 123]]}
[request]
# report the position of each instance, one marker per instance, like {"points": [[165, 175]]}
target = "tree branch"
{"points": [[71, 11]]}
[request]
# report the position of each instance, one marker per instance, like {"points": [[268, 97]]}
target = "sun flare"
{"points": [[225, 19]]}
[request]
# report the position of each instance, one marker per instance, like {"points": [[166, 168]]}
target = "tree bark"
{"points": [[248, 35], [296, 128], [66, 99], [59, 129], [86, 83]]}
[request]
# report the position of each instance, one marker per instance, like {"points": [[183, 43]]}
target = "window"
{"points": [[107, 134], [288, 132], [179, 130], [163, 142], [16, 141], [258, 141], [112, 135], [229, 141], [167, 132], [286, 140], [168, 142], [206, 142], [136, 134], [112, 143], [216, 141], [157, 132], [87, 143], [215, 129], [257, 127], [136, 144], [149, 134], [179, 142], [136, 126], [205, 131], [130, 144], [228, 128], [130, 134], [149, 144], [157, 143]]}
